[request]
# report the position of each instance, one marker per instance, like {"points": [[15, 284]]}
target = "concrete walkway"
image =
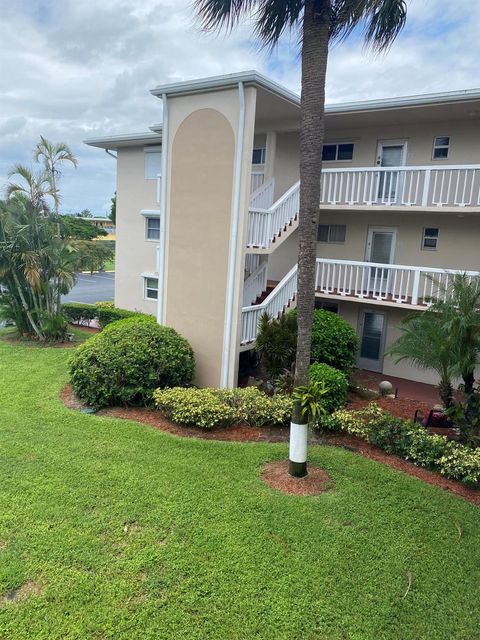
{"points": [[420, 391]]}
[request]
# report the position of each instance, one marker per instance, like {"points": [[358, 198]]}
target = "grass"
{"points": [[111, 529]]}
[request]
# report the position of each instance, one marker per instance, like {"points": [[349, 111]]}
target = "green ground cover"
{"points": [[116, 530]]}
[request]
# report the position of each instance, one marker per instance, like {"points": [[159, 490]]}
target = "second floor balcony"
{"points": [[447, 188]]}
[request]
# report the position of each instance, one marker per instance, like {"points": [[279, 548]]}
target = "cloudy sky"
{"points": [[72, 70]]}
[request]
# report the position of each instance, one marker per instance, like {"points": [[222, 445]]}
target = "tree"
{"points": [[86, 213], [54, 155], [318, 23], [113, 208], [426, 342], [458, 304], [74, 227], [35, 187]]}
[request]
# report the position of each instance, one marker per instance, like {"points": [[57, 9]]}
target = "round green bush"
{"points": [[335, 382], [130, 358], [334, 341]]}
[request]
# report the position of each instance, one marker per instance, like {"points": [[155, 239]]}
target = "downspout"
{"points": [[232, 258], [163, 212], [108, 152]]}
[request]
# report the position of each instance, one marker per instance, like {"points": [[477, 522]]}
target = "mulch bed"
{"points": [[317, 481], [244, 433], [399, 407]]}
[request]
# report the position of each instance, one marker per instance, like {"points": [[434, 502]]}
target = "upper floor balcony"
{"points": [[448, 188]]}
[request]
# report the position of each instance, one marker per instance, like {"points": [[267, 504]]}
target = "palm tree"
{"points": [[427, 343], [458, 304], [53, 155], [34, 187], [318, 23]]}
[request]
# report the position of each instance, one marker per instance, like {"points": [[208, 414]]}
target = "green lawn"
{"points": [[126, 533]]}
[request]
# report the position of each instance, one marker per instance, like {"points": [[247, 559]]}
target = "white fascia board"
{"points": [[124, 140], [257, 79], [224, 82], [405, 101]]}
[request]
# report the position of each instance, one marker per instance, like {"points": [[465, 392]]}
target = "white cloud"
{"points": [[76, 69]]}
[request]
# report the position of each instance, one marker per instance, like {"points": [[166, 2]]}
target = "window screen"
{"points": [[334, 233]]}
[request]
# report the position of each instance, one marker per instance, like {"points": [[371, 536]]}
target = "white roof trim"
{"points": [[124, 138], [224, 82]]}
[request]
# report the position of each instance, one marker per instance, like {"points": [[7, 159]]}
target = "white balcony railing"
{"points": [[274, 305], [262, 197], [265, 224], [255, 284], [256, 180], [391, 284], [426, 186]]}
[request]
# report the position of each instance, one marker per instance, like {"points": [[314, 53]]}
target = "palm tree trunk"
{"points": [[26, 308], [469, 381], [316, 27]]}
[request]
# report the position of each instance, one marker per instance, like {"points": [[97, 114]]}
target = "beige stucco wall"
{"points": [[201, 156], [134, 254], [286, 166], [458, 244]]}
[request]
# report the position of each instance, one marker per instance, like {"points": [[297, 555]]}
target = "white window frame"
{"points": [[263, 156], [328, 241], [147, 219], [146, 277], [337, 144], [424, 237], [441, 146], [147, 152]]}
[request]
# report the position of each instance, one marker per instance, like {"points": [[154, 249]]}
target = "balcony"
{"points": [[432, 188], [400, 286], [426, 186]]}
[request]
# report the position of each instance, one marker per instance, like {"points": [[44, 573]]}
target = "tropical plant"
{"points": [[458, 304], [128, 360], [113, 208], [336, 383], [276, 343], [425, 341], [318, 24], [34, 187], [53, 155]]}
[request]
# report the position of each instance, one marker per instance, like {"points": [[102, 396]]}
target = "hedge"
{"points": [[410, 441], [336, 385], [107, 313], [208, 408], [130, 358], [334, 341], [79, 312]]}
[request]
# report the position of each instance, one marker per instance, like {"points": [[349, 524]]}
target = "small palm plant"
{"points": [[427, 344]]}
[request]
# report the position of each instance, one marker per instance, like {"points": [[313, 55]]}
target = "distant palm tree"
{"points": [[53, 155], [35, 187], [318, 24], [427, 343]]}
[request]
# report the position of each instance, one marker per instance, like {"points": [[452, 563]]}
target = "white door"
{"points": [[391, 153], [372, 340], [380, 249]]}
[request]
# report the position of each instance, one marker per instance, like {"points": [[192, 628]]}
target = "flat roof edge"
{"points": [[120, 139]]}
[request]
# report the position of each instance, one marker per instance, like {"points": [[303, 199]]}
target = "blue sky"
{"points": [[73, 70]]}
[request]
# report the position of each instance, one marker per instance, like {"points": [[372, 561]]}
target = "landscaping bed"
{"points": [[246, 433]]}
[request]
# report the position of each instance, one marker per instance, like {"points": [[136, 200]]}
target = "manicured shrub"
{"points": [[334, 341], [208, 408], [130, 358], [79, 312], [335, 383], [256, 408], [203, 408], [411, 441], [107, 313]]}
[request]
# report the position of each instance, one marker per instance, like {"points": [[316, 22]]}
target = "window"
{"points": [[430, 238], [152, 228], [337, 152], [258, 156], [151, 288], [333, 233], [441, 145], [153, 162]]}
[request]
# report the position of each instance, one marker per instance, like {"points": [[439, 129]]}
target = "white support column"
{"points": [[163, 216]]}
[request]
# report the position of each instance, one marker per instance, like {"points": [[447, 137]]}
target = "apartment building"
{"points": [[207, 213]]}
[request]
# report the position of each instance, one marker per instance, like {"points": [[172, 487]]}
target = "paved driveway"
{"points": [[96, 288]]}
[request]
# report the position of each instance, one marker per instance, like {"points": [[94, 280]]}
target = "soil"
{"points": [[245, 433], [317, 481]]}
